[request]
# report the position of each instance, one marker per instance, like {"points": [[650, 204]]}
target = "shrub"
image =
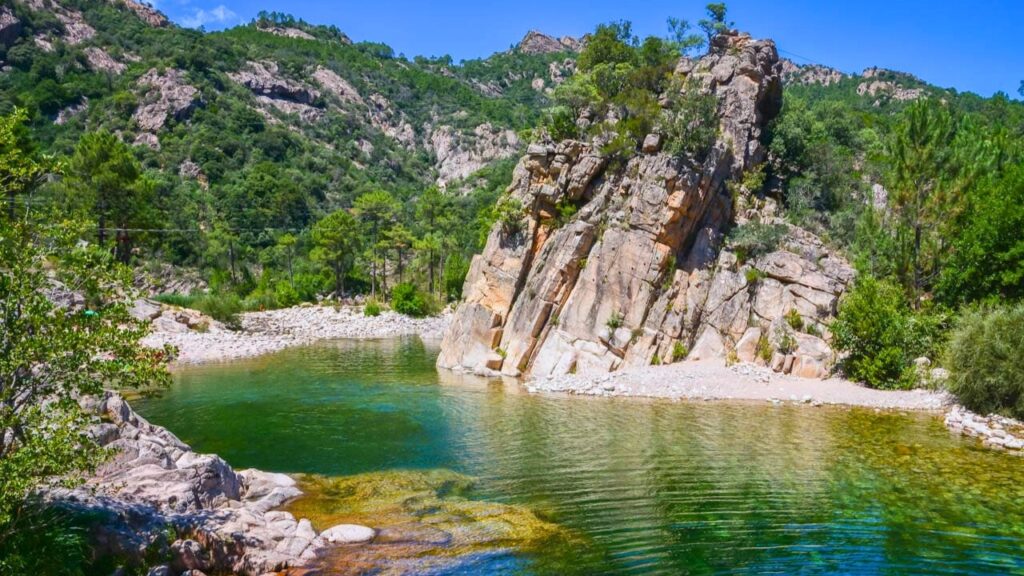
{"points": [[454, 276], [43, 540], [753, 276], [880, 335], [984, 358], [223, 307], [406, 299], [679, 352], [614, 321], [753, 239], [795, 321], [764, 348], [372, 308]]}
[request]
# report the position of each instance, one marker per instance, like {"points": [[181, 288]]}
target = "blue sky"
{"points": [[971, 46]]}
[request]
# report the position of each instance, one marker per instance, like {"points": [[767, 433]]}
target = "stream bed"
{"points": [[468, 476]]}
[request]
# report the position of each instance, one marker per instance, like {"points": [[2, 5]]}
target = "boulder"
{"points": [[348, 534]]}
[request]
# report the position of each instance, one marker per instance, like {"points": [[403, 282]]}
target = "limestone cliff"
{"points": [[639, 275]]}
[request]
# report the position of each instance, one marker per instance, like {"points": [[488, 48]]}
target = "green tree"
{"points": [[399, 239], [336, 241], [105, 178], [376, 211], [715, 23], [681, 37], [51, 355], [286, 244], [21, 171]]}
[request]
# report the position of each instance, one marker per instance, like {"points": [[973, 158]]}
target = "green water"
{"points": [[645, 487]]}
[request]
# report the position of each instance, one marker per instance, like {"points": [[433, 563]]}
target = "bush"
{"points": [[43, 540], [406, 299], [984, 358], [614, 321], [679, 352], [753, 239], [454, 276], [224, 307], [372, 308], [881, 335]]}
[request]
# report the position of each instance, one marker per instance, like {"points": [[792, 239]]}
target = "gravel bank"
{"points": [[713, 380], [266, 332]]}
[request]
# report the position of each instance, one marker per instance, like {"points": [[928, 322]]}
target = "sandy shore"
{"points": [[267, 332], [713, 380]]}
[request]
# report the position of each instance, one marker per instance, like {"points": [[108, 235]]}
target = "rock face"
{"points": [[539, 43], [271, 88], [222, 520], [169, 96], [810, 74], [638, 275], [458, 157]]}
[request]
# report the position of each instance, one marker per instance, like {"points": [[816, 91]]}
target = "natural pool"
{"points": [[604, 486]]}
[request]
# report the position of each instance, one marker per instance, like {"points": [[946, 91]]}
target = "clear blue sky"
{"points": [[968, 45]]}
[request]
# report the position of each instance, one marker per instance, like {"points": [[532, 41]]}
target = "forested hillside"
{"points": [[279, 162], [236, 143]]}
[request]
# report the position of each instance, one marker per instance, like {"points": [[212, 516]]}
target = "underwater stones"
{"points": [[348, 534]]}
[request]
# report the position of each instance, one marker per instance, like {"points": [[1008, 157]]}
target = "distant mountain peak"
{"points": [[536, 42]]}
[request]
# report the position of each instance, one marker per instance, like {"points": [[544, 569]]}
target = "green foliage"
{"points": [[105, 180], [690, 123], [795, 320], [880, 335], [43, 540], [984, 358], [987, 259], [53, 355], [715, 23], [509, 212], [336, 241], [407, 299], [455, 269], [679, 352], [614, 321], [372, 308], [764, 349], [753, 276], [755, 239]]}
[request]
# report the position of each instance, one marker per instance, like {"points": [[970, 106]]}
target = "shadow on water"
{"points": [[557, 485]]}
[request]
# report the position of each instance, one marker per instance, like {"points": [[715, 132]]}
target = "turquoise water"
{"points": [[644, 487]]}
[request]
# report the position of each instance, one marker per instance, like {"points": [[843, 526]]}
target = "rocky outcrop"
{"points": [[100, 61], [264, 79], [76, 29], [288, 32], [811, 74], [638, 275], [539, 43], [271, 88], [145, 12], [459, 156], [156, 498], [169, 96]]}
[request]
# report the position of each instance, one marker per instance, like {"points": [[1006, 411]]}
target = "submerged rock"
{"points": [[156, 498]]}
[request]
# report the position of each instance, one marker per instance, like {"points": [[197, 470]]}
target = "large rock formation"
{"points": [[168, 95], [158, 505], [638, 275]]}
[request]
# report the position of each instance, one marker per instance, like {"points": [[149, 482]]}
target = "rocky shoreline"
{"points": [[200, 339], [994, 431], [158, 499]]}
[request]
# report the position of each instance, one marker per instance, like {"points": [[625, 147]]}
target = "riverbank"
{"points": [[713, 380], [159, 507], [202, 341]]}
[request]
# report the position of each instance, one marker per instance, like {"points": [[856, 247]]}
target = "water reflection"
{"points": [[649, 486]]}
